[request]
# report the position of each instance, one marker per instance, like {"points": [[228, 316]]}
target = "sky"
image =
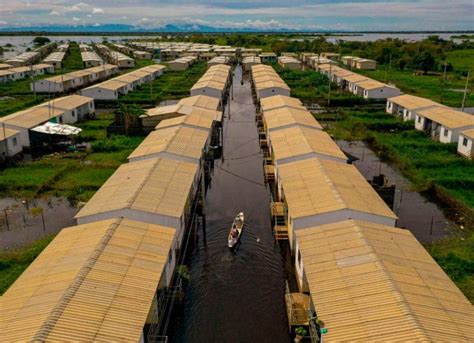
{"points": [[356, 15]]}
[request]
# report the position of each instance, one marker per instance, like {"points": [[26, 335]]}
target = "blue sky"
{"points": [[259, 14]]}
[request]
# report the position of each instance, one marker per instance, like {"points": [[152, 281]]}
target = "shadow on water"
{"points": [[235, 296], [421, 216]]}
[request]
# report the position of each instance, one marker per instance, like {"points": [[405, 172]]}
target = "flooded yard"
{"points": [[421, 216], [24, 221]]}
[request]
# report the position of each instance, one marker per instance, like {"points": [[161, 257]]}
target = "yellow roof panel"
{"points": [[412, 102], [287, 116], [93, 282], [158, 186], [371, 282], [178, 140], [316, 186], [32, 117], [355, 77], [203, 101], [448, 117], [298, 141], [272, 102], [468, 133], [7, 133], [203, 120], [69, 102]]}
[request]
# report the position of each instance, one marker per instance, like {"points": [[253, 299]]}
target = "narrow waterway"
{"points": [[236, 296], [421, 216]]}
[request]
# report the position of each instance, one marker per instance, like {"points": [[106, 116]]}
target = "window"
{"points": [[15, 141], [60, 119], [419, 119], [299, 258], [73, 113], [464, 141], [446, 131]]}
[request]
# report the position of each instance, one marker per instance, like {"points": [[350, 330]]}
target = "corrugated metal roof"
{"points": [[371, 282], [203, 101], [272, 102], [203, 120], [298, 141], [355, 77], [7, 133], [448, 117], [468, 133], [158, 186], [412, 102], [209, 84], [94, 282], [69, 102], [176, 140], [32, 117], [271, 84], [316, 186], [286, 116], [372, 84]]}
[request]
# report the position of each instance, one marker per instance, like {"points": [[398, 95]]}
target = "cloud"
{"points": [[76, 19], [3, 23], [55, 13], [97, 11]]}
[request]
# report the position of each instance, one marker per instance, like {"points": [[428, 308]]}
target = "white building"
{"points": [[443, 123], [10, 144], [107, 90], [371, 89], [76, 107], [406, 105], [466, 143]]}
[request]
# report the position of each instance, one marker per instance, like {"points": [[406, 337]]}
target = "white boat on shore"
{"points": [[236, 230]]}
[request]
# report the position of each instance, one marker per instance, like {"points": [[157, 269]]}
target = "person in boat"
{"points": [[234, 232]]}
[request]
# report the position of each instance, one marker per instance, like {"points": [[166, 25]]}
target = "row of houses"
{"points": [[218, 60], [111, 56], [358, 63], [266, 82], [249, 61], [24, 59], [17, 129], [358, 276], [137, 54], [107, 277], [444, 124], [56, 58], [91, 59], [20, 73], [215, 82], [182, 63], [73, 80], [121, 85], [357, 84], [289, 62]]}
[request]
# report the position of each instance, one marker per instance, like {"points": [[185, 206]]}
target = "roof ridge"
{"points": [[403, 303], [49, 323]]}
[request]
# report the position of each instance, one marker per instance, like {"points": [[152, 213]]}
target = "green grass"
{"points": [[14, 262], [462, 60], [171, 85], [75, 175], [456, 256], [426, 86]]}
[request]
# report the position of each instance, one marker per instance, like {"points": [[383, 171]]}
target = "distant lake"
{"points": [[20, 43]]}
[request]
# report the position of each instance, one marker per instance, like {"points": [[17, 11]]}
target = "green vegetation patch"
{"points": [[14, 262]]}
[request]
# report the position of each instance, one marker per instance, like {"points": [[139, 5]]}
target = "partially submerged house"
{"points": [[156, 191], [97, 281], [371, 282], [317, 192]]}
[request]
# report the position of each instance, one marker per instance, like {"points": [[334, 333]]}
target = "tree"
{"points": [[424, 61], [41, 40]]}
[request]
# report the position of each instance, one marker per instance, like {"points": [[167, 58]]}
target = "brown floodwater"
{"points": [[422, 217], [24, 221], [236, 296]]}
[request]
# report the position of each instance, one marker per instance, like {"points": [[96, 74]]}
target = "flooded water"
{"points": [[23, 222], [421, 216], [236, 296]]}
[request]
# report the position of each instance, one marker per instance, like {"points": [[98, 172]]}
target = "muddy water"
{"points": [[421, 216], [236, 297], [21, 222]]}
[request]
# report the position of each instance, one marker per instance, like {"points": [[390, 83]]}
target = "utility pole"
{"points": [[444, 80], [329, 88], [465, 91], [387, 71]]}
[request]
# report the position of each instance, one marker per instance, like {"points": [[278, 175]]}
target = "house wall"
{"points": [[264, 93], [100, 93], [11, 146], [44, 86], [451, 135], [419, 122], [215, 93], [381, 93], [467, 149]]}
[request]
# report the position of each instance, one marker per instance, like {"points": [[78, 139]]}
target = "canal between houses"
{"points": [[236, 296]]}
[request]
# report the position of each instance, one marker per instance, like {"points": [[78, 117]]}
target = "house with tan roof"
{"points": [[406, 105], [443, 123], [466, 143], [371, 89]]}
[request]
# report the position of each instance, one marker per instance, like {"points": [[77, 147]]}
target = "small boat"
{"points": [[236, 230]]}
